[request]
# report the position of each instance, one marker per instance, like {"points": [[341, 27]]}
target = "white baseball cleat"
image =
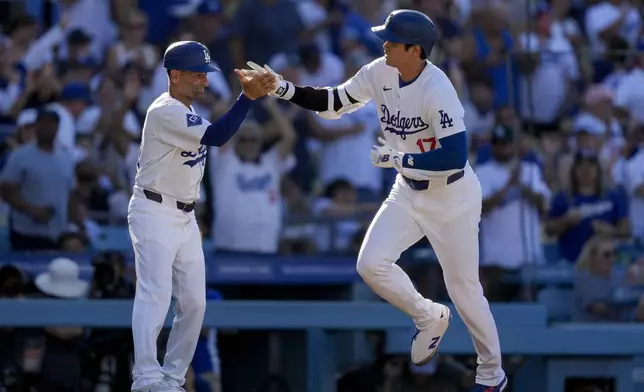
{"points": [[161, 386], [425, 342]]}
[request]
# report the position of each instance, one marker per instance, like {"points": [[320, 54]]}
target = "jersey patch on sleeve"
{"points": [[192, 120]]}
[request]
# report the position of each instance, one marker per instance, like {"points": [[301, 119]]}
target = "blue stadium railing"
{"points": [[553, 353]]}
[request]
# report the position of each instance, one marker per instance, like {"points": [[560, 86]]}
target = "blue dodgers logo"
{"points": [[199, 156], [253, 183], [192, 120], [401, 125]]}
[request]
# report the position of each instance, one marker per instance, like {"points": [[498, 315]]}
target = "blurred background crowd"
{"points": [[554, 106]]}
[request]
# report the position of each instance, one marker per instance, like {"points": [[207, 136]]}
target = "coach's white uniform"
{"points": [[413, 118], [167, 241]]}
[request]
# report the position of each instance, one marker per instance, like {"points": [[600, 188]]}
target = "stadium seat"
{"points": [[558, 301], [114, 238]]}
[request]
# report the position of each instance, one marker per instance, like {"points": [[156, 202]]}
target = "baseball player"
{"points": [[167, 242], [436, 193]]}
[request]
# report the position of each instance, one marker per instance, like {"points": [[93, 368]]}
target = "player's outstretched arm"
{"points": [[328, 102], [219, 132]]}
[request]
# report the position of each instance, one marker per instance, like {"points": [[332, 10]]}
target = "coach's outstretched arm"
{"points": [[187, 128], [328, 102], [219, 132]]}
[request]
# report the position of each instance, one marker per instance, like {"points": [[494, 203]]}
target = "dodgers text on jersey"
{"points": [[401, 125], [198, 157]]}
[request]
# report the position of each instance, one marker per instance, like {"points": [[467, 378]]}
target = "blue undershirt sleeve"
{"points": [[451, 156], [219, 132]]}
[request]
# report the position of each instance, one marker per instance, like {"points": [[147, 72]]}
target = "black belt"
{"points": [[418, 185], [159, 199]]}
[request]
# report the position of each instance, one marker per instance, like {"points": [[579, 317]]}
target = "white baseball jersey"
{"points": [[172, 159], [415, 116]]}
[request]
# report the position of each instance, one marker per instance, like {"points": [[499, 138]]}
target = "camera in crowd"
{"points": [[109, 280]]}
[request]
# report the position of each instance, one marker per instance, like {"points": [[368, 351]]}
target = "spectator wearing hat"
{"points": [[60, 368], [586, 139], [587, 208], [514, 198], [600, 128], [70, 104], [37, 181], [25, 131]]}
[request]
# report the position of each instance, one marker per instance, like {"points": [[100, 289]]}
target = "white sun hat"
{"points": [[62, 280]]}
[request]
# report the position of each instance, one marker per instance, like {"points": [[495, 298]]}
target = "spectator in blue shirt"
{"points": [[588, 208]]}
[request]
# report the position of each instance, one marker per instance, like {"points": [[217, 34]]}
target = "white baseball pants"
{"points": [[169, 263], [449, 216]]}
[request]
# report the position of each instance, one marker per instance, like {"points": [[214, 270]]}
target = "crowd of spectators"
{"points": [[554, 106]]}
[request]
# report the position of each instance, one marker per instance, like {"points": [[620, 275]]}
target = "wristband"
{"points": [[285, 90]]}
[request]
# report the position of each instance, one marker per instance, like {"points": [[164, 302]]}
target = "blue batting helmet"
{"points": [[188, 56], [408, 27]]}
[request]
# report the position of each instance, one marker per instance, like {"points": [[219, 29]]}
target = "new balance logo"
{"points": [[383, 158], [434, 343], [446, 120]]}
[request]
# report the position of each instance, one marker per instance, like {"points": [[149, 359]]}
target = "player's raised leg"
{"points": [[189, 291], [155, 240], [453, 233], [391, 232]]}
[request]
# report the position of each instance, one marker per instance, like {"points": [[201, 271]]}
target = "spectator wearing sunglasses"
{"points": [[595, 283]]}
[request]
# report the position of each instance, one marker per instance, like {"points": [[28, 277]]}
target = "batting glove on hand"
{"points": [[383, 155], [279, 79]]}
